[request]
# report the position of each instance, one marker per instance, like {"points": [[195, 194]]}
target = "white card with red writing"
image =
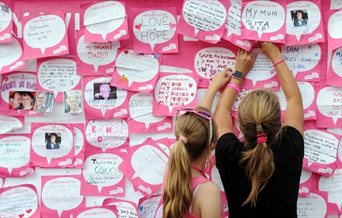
{"points": [[174, 91]]}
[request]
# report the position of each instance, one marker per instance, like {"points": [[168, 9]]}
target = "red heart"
{"points": [[29, 211], [138, 26], [21, 215], [126, 52], [192, 94], [190, 85]]}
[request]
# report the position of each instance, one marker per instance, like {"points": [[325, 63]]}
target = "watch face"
{"points": [[238, 75]]}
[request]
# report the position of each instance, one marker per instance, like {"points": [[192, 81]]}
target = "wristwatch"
{"points": [[238, 75]]}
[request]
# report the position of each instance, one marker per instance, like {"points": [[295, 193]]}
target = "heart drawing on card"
{"points": [[192, 94], [138, 26], [21, 215], [172, 25], [29, 211], [190, 85], [126, 52]]}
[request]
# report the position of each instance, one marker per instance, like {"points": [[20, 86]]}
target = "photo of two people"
{"points": [[21, 100]]}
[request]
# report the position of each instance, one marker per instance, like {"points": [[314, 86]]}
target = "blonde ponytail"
{"points": [[177, 195], [259, 168], [259, 116]]}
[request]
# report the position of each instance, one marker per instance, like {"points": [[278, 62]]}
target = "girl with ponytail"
{"points": [[187, 192], [261, 174]]}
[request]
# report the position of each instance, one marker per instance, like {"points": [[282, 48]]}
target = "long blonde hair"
{"points": [[177, 196], [259, 113]]}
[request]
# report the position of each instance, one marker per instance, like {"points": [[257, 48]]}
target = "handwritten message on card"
{"points": [[206, 18], [105, 19], [15, 153], [19, 201], [211, 60], [172, 92], [58, 75], [102, 175], [304, 61], [135, 72], [96, 58], [61, 194], [107, 134], [329, 104], [45, 32], [264, 17]]}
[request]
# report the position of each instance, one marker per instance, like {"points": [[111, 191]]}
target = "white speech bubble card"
{"points": [[125, 208], [52, 145], [262, 74], [320, 150], [14, 86], [105, 21], [307, 183], [5, 21], [148, 206], [45, 35], [11, 56], [102, 175], [101, 100], [308, 94], [141, 118], [264, 20], [329, 107], [57, 75], [106, 134], [79, 147], [9, 123], [304, 22], [145, 166], [334, 30], [97, 211], [19, 201], [313, 205], [15, 155], [155, 31], [332, 185], [136, 72], [305, 61], [61, 195], [232, 31], [210, 60], [334, 75], [173, 92], [204, 20], [95, 58]]}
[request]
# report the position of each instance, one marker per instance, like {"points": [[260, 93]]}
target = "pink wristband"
{"points": [[278, 62], [235, 87]]}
